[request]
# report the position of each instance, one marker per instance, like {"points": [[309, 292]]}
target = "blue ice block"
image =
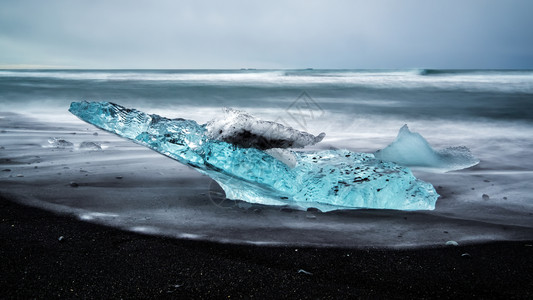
{"points": [[328, 180]]}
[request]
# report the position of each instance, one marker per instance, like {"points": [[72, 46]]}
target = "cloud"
{"points": [[274, 34]]}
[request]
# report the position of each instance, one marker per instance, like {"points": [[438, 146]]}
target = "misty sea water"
{"points": [[488, 111]]}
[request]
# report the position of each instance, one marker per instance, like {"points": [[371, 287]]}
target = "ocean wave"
{"points": [[484, 72], [513, 81]]}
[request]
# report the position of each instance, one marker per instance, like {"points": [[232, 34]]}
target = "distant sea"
{"points": [[405, 94]]}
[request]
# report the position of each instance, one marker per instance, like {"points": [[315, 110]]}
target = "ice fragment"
{"points": [[328, 180], [411, 149], [60, 143], [244, 130], [90, 146]]}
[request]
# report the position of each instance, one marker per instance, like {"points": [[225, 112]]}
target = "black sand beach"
{"points": [[93, 261], [266, 150]]}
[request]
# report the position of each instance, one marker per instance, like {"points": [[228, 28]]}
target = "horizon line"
{"points": [[27, 67]]}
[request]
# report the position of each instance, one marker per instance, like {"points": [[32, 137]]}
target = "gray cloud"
{"points": [[277, 34]]}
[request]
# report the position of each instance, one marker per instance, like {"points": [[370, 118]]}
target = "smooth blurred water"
{"points": [[440, 104], [489, 111], [426, 94]]}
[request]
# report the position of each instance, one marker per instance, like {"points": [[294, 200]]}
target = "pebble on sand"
{"points": [[74, 184], [485, 197]]}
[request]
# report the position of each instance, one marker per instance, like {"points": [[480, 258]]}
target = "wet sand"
{"points": [[94, 261], [130, 187], [170, 233]]}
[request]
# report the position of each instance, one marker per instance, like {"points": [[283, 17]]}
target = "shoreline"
{"points": [[97, 261]]}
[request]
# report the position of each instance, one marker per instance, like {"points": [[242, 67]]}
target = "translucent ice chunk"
{"points": [[90, 146], [60, 143], [329, 180], [411, 149], [244, 130]]}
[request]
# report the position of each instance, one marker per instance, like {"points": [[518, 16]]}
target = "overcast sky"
{"points": [[267, 34]]}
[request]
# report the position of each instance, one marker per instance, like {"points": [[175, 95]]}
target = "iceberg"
{"points": [[327, 180], [411, 149]]}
